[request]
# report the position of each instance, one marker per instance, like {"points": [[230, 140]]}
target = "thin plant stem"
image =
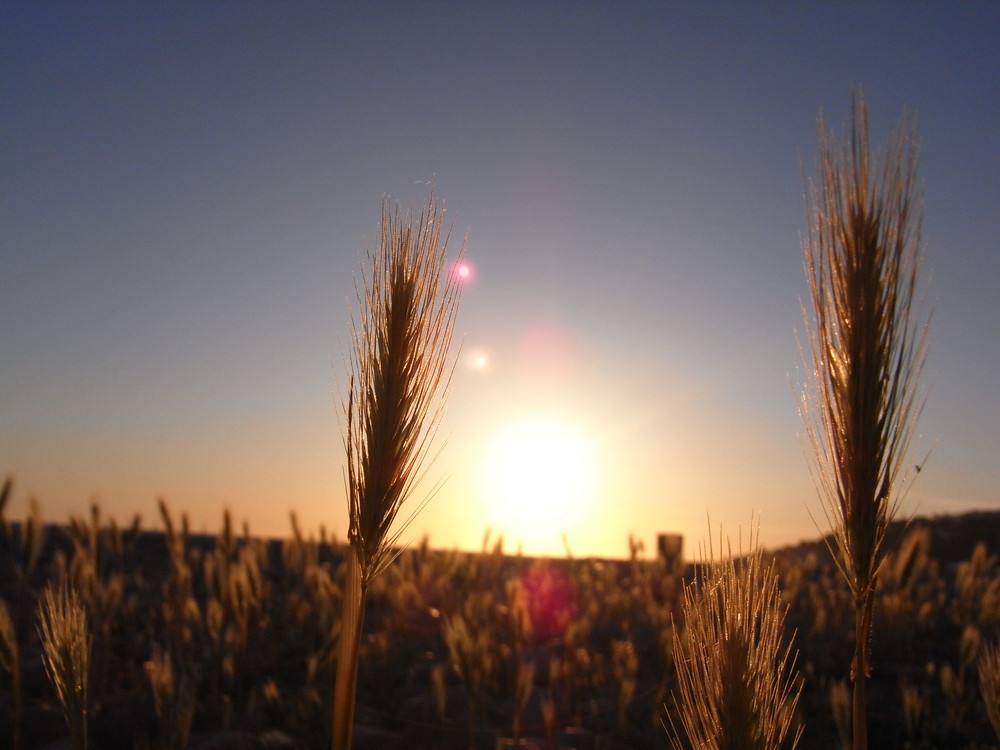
{"points": [[989, 684], [867, 351], [351, 624], [859, 716], [11, 660], [400, 372]]}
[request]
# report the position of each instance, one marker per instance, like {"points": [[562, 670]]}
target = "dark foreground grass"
{"points": [[256, 639]]}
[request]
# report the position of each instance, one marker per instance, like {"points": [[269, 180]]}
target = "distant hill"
{"points": [[953, 537]]}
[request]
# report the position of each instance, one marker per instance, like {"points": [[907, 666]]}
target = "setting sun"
{"points": [[540, 478]]}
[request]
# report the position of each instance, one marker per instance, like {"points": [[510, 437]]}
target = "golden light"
{"points": [[540, 479]]}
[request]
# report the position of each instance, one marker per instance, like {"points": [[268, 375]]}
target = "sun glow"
{"points": [[540, 479]]}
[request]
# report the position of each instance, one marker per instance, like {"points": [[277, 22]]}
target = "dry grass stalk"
{"points": [[989, 684], [10, 659], [524, 684], [5, 491], [472, 657], [840, 709], [914, 708], [65, 641], [174, 701], [27, 542], [400, 371], [862, 258], [625, 666], [736, 675]]}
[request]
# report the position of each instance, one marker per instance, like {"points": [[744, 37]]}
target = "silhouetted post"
{"points": [[670, 550]]}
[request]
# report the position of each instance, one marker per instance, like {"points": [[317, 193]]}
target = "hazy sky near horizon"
{"points": [[188, 191]]}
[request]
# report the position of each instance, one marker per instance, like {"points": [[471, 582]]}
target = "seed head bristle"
{"points": [[866, 346], [65, 641], [737, 683], [400, 371]]}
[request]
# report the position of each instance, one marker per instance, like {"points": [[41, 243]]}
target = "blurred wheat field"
{"points": [[229, 640]]}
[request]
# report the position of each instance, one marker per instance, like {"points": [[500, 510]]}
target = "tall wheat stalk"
{"points": [[400, 372], [736, 675], [861, 404], [65, 641]]}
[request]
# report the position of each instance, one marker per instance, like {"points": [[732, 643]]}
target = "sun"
{"points": [[540, 479]]}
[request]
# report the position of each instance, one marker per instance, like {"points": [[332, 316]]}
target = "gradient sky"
{"points": [[188, 190]]}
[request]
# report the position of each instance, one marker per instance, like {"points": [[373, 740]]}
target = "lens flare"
{"points": [[479, 361], [545, 594], [463, 271]]}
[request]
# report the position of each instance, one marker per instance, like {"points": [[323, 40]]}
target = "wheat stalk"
{"points": [[173, 700], [737, 682], [400, 372], [10, 659], [65, 641], [862, 258], [989, 684]]}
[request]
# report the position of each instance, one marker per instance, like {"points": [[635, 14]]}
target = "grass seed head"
{"points": [[867, 345], [989, 684], [400, 371], [66, 645], [737, 683]]}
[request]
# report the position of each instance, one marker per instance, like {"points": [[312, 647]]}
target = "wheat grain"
{"points": [[862, 258], [736, 676], [10, 659], [400, 372], [65, 641]]}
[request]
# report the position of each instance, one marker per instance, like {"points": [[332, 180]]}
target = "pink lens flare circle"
{"points": [[462, 271], [546, 595]]}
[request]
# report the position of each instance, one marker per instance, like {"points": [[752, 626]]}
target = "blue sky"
{"points": [[189, 189]]}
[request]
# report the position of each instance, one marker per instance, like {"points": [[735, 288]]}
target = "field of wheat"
{"points": [[229, 640]]}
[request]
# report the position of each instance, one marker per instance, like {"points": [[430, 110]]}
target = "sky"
{"points": [[189, 191]]}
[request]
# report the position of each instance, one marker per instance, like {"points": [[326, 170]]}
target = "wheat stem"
{"points": [[400, 372], [989, 684], [349, 648], [10, 659], [862, 257]]}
